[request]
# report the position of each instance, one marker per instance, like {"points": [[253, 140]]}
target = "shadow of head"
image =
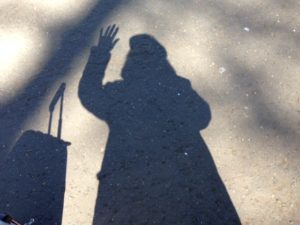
{"points": [[146, 59], [145, 44]]}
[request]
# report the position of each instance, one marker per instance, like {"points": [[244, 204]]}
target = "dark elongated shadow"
{"points": [[157, 168], [33, 175], [15, 112]]}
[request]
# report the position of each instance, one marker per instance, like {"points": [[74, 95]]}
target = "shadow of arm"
{"points": [[204, 114], [91, 90], [198, 109]]}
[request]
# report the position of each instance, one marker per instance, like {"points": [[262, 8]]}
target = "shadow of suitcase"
{"points": [[33, 175]]}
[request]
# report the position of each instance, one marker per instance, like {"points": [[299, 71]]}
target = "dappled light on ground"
{"points": [[241, 57], [17, 45]]}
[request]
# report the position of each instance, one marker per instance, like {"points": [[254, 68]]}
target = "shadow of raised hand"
{"points": [[107, 40]]}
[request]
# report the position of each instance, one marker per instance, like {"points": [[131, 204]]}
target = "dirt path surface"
{"points": [[241, 57]]}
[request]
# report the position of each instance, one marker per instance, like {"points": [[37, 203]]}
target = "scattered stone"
{"points": [[222, 70], [247, 29]]}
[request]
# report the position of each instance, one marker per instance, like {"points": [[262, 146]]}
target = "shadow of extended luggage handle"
{"points": [[59, 95]]}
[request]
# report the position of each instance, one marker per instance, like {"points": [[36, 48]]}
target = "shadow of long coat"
{"points": [[157, 168]]}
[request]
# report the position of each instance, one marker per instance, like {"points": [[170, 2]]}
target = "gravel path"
{"points": [[241, 57]]}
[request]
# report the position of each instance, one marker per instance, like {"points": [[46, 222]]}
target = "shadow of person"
{"points": [[157, 168]]}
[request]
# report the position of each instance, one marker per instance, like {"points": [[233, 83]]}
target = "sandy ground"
{"points": [[242, 57]]}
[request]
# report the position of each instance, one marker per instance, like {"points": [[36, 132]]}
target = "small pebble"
{"points": [[222, 70], [247, 29]]}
